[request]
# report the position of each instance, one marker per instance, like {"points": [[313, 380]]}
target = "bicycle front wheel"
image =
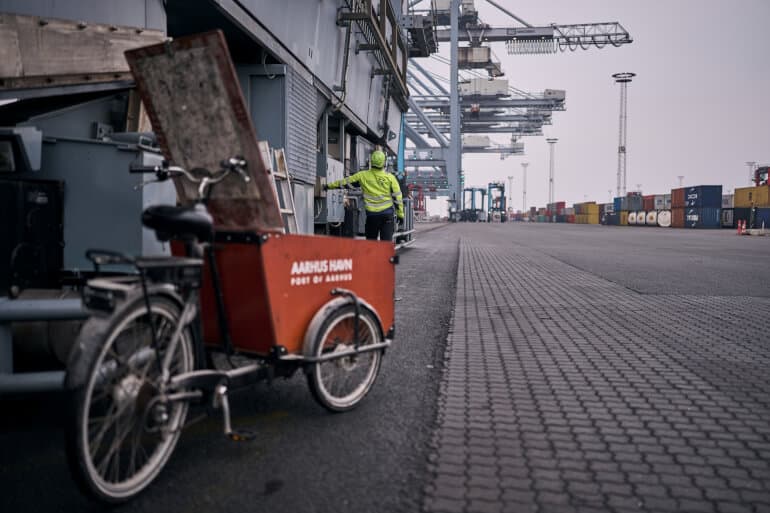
{"points": [[120, 435], [339, 384]]}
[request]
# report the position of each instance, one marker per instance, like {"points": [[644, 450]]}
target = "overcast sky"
{"points": [[699, 105]]}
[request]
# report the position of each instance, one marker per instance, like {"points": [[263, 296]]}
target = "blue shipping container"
{"points": [[703, 196], [617, 203], [707, 217], [728, 218], [760, 215]]}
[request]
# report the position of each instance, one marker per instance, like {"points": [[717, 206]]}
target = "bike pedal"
{"points": [[241, 436]]}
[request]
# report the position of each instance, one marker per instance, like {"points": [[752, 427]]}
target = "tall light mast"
{"points": [[524, 185], [552, 143], [623, 79]]}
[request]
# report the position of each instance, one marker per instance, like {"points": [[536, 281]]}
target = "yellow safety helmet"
{"points": [[377, 159]]}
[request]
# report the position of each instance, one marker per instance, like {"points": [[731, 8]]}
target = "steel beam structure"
{"points": [[434, 132], [454, 163], [442, 102]]}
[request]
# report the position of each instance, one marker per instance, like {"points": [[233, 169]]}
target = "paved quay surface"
{"points": [[590, 368]]}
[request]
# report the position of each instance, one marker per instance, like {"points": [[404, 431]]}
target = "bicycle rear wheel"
{"points": [[119, 435]]}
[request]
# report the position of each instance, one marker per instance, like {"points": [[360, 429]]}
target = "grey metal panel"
{"points": [[132, 13], [78, 121], [101, 207], [308, 29], [266, 98], [303, 207], [301, 129]]}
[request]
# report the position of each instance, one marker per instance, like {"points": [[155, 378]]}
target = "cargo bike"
{"points": [[163, 337]]}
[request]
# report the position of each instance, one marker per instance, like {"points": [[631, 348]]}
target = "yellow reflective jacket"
{"points": [[380, 190]]}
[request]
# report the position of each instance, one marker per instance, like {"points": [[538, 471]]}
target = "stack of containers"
{"points": [[610, 216], [555, 211], [648, 202], [754, 200], [677, 207], [696, 207], [569, 214], [728, 220], [587, 213], [633, 203], [622, 215]]}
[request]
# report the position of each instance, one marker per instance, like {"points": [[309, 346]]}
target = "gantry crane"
{"points": [[464, 25]]}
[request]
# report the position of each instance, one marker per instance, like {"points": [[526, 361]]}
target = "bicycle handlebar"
{"points": [[164, 172]]}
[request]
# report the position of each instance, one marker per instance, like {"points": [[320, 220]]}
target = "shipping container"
{"points": [[484, 87], [677, 199], [664, 218], [609, 207], [469, 56], [709, 196], [612, 219], [617, 204], [728, 220], [659, 202], [623, 218], [753, 217], [667, 200], [705, 217], [746, 197], [476, 141], [633, 203], [727, 200], [648, 202], [677, 214], [762, 218]]}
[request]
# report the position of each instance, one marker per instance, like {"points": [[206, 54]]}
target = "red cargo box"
{"points": [[274, 284]]}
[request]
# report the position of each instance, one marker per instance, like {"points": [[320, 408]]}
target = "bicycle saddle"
{"points": [[171, 222]]}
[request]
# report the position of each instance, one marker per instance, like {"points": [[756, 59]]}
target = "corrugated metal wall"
{"points": [[301, 128]]}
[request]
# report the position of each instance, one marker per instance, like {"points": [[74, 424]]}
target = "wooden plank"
{"points": [[191, 93], [31, 46]]}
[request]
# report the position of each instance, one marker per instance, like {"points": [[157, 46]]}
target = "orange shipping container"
{"points": [[747, 197], [677, 217], [677, 197]]}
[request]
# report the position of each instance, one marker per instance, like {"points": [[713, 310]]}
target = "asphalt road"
{"points": [[657, 260], [304, 459]]}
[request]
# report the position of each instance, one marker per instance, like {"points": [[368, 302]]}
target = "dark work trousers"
{"points": [[381, 226]]}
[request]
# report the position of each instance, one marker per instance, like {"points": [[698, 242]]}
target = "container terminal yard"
{"points": [[193, 331]]}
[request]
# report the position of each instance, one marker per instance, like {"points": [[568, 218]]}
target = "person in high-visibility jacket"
{"points": [[381, 194]]}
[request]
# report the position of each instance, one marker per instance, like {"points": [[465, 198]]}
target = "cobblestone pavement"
{"points": [[566, 392]]}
